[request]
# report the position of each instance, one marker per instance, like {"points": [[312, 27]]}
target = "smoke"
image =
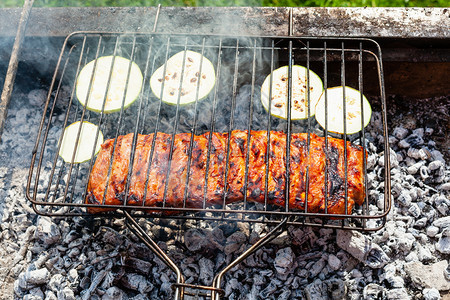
{"points": [[241, 64]]}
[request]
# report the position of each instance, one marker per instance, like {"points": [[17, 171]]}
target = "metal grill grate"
{"points": [[58, 188]]}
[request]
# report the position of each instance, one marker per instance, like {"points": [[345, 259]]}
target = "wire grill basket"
{"points": [[241, 64]]}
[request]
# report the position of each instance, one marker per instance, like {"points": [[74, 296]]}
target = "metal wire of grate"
{"points": [[58, 188]]}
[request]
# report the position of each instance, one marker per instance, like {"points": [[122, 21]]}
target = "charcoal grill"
{"points": [[239, 63]]}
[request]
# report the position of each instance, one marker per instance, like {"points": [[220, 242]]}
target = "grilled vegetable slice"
{"points": [[335, 110], [299, 93], [86, 142], [114, 92], [174, 71]]}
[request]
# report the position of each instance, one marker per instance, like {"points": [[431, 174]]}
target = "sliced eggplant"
{"points": [[93, 95], [196, 71], [299, 92], [335, 111], [86, 142]]}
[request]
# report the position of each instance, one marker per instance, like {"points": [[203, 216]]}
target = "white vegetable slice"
{"points": [[86, 142], [336, 110], [299, 93], [170, 82], [116, 88]]}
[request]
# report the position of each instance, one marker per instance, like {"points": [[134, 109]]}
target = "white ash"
{"points": [[431, 294], [284, 262], [78, 258]]}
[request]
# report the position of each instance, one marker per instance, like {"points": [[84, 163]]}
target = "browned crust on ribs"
{"points": [[222, 186]]}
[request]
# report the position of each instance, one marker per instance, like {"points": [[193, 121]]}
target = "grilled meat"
{"points": [[151, 182]]}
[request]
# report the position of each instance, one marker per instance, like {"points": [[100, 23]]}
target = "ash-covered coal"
{"points": [[80, 258]]}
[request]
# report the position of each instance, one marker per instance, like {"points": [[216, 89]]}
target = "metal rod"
{"points": [[194, 126], [363, 134], [198, 287], [344, 112], [288, 129], [269, 123], [327, 152], [13, 63], [249, 127], [291, 22], [231, 124], [213, 121], [156, 18], [387, 155], [308, 137]]}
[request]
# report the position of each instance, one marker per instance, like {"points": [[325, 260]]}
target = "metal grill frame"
{"points": [[292, 45]]}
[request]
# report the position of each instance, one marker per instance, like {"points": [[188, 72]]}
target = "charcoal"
{"points": [[400, 132], [431, 294], [83, 258], [316, 290], [392, 157], [394, 281], [72, 235], [429, 276], [317, 268], [285, 294], [398, 294], [415, 139], [414, 210], [405, 198], [47, 231], [362, 249], [424, 172], [443, 222], [114, 293], [206, 271], [259, 279], [445, 186], [373, 291], [136, 282], [35, 293], [281, 240], [285, 261], [424, 254], [268, 291], [37, 277], [432, 231], [234, 242], [96, 280], [434, 165], [304, 235], [336, 288], [66, 293], [32, 297], [334, 262], [195, 240], [56, 282], [137, 265], [443, 245]]}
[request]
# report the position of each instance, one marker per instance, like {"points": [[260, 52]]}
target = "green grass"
{"points": [[299, 3]]}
